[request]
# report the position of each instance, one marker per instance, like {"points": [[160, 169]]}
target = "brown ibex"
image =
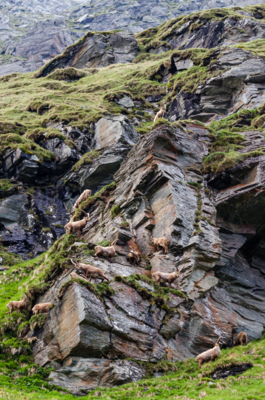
{"points": [[91, 271], [41, 308], [109, 251], [17, 305], [134, 257], [163, 276], [241, 338], [161, 242], [87, 193], [78, 226], [160, 113], [209, 355]]}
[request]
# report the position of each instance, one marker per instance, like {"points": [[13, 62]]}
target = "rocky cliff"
{"points": [[84, 121], [33, 32]]}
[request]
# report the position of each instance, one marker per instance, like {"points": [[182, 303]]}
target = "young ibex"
{"points": [[134, 257], [209, 355], [87, 193], [161, 113], [77, 225], [161, 242], [91, 271], [241, 338], [170, 278], [109, 251], [41, 308], [17, 305]]}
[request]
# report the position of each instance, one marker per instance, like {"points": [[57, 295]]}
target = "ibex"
{"points": [[31, 339], [91, 271], [41, 308], [161, 242], [87, 193], [241, 338], [160, 113], [209, 355], [109, 251], [17, 305], [134, 257], [77, 225], [170, 278]]}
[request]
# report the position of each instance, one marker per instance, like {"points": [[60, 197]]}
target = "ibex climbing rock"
{"points": [[78, 226], [86, 193], [109, 251], [91, 271]]}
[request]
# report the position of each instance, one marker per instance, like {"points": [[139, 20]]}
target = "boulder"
{"points": [[114, 130]]}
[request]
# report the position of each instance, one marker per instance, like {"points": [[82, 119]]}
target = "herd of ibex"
{"points": [[89, 272]]}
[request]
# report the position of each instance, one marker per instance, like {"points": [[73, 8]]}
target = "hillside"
{"points": [[194, 177], [34, 31]]}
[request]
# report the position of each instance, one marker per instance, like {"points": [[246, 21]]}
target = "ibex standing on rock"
{"points": [[109, 251], [161, 242], [163, 276], [82, 197], [241, 338], [41, 308], [91, 271], [134, 257], [17, 305], [161, 113], [209, 355], [77, 225]]}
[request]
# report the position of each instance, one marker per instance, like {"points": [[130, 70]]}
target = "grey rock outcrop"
{"points": [[95, 50], [160, 195], [239, 84]]}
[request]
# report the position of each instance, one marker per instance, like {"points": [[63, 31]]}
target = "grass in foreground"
{"points": [[186, 383]]}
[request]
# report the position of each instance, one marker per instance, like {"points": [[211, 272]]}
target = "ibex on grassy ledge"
{"points": [[209, 355], [41, 308], [87, 193], [163, 276], [241, 338], [77, 225], [160, 113], [17, 305]]}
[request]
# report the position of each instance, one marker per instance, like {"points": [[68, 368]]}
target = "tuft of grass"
{"points": [[115, 210], [86, 159]]}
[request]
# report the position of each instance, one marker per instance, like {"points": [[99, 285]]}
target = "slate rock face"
{"points": [[95, 50], [239, 84], [31, 222], [220, 267]]}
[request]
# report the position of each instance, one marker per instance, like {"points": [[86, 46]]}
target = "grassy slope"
{"points": [[186, 383]]}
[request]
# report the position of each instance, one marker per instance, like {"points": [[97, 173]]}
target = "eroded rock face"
{"points": [[96, 50], [239, 84], [31, 222], [159, 189]]}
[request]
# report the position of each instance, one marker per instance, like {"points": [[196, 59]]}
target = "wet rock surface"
{"points": [[233, 370]]}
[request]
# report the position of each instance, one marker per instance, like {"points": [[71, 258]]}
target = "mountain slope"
{"points": [[194, 177], [47, 28]]}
